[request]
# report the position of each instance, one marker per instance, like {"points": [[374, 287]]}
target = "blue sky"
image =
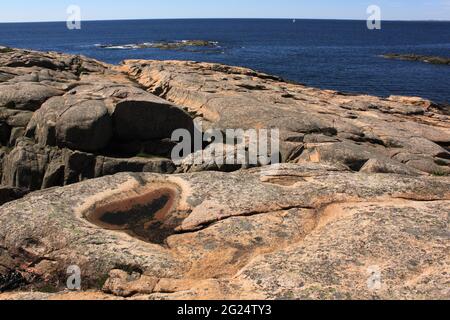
{"points": [[55, 10]]}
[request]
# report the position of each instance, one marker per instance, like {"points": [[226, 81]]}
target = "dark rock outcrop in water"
{"points": [[165, 45], [364, 191], [420, 58]]}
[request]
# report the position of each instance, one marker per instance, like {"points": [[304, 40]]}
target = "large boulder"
{"points": [[15, 118], [26, 95], [69, 122], [137, 114], [25, 166], [105, 166], [32, 59], [388, 166], [89, 116], [85, 126], [50, 61]]}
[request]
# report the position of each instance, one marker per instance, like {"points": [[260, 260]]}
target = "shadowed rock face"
{"points": [[8, 194], [144, 121]]}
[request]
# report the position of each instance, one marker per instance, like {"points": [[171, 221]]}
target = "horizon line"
{"points": [[150, 19]]}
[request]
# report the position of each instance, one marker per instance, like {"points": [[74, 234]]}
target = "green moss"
{"points": [[129, 268], [439, 173], [5, 149], [6, 50], [81, 70], [100, 282], [49, 288], [145, 155], [8, 105]]}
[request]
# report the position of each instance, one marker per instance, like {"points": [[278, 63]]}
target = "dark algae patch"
{"points": [[146, 216], [11, 281]]}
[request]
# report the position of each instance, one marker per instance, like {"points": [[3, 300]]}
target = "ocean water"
{"points": [[331, 54]]}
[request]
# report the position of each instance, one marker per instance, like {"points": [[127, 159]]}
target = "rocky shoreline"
{"points": [[364, 183]]}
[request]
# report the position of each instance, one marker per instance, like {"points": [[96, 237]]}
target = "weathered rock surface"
{"points": [[34, 167], [70, 102], [303, 231], [316, 125], [25, 96], [64, 119], [360, 209]]}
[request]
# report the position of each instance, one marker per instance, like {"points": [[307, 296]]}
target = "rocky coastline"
{"points": [[87, 180]]}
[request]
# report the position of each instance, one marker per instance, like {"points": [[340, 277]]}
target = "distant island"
{"points": [[420, 58]]}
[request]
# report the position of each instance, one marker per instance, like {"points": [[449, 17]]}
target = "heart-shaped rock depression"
{"points": [[147, 215]]}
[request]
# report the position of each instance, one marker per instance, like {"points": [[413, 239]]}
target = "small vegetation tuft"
{"points": [[6, 50], [439, 173]]}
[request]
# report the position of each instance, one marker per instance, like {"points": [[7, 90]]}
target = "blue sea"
{"points": [[331, 54]]}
